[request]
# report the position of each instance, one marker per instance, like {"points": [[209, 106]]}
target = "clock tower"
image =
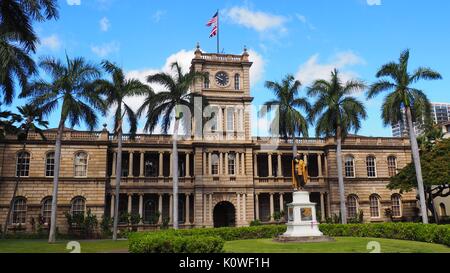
{"points": [[224, 153]]}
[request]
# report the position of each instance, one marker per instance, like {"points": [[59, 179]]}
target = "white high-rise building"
{"points": [[440, 113]]}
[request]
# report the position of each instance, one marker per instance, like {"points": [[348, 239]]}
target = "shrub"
{"points": [[82, 225], [430, 233], [170, 242], [255, 223]]}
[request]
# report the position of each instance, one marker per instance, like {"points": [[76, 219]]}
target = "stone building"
{"points": [[227, 176]]}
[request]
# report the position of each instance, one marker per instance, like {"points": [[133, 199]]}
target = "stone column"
{"points": [[113, 203], [160, 206], [114, 164], [130, 165], [210, 208], [204, 163], [328, 204], [187, 220], [319, 164], [269, 159], [238, 207], [130, 200], [238, 164], [255, 165], [188, 165], [141, 207], [141, 165], [280, 170], [160, 164], [257, 205], [226, 164], [271, 207], [325, 165], [305, 158], [322, 207], [171, 208], [220, 164], [205, 196], [209, 164], [244, 207], [281, 201], [243, 163]]}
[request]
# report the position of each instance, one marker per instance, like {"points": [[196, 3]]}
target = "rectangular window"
{"points": [[392, 166], [23, 165], [232, 164], [374, 207], [230, 119], [215, 164], [371, 167], [50, 165], [349, 167]]}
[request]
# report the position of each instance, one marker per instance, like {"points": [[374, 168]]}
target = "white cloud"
{"points": [[158, 15], [304, 20], [312, 70], [73, 2], [258, 67], [374, 2], [257, 20], [52, 42], [105, 49], [104, 24]]}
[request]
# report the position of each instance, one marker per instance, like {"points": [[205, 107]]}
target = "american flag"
{"points": [[213, 32], [213, 20]]}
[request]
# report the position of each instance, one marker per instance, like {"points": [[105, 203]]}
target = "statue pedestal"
{"points": [[302, 223]]}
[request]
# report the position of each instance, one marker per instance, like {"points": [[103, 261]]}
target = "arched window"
{"points": [[349, 166], [215, 164], [231, 163], [371, 166], [237, 82], [392, 166], [81, 164], [374, 206], [396, 205], [23, 164], [50, 164], [19, 211], [46, 211], [206, 81], [78, 206], [442, 209], [150, 212], [352, 206]]}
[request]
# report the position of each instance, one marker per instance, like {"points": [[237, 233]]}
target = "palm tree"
{"points": [[337, 113], [412, 101], [162, 105], [68, 87], [116, 91], [17, 16], [17, 40], [29, 119], [291, 121]]}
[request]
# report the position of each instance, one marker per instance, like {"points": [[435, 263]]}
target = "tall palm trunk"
{"points": [[118, 179], [416, 159], [340, 176], [16, 186], [175, 173], [53, 219]]}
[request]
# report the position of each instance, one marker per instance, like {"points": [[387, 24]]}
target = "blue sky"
{"points": [[304, 38]]}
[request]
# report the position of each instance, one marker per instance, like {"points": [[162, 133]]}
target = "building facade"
{"points": [[227, 176]]}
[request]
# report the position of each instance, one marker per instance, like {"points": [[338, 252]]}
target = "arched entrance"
{"points": [[224, 215]]}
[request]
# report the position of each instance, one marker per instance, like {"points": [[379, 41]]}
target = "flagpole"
{"points": [[218, 44]]}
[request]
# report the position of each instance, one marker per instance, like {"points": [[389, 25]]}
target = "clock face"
{"points": [[222, 78]]}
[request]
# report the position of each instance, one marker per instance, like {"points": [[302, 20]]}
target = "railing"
{"points": [[221, 57], [71, 135], [139, 181], [314, 181]]}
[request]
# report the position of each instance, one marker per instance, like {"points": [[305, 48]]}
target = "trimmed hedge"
{"points": [[430, 233], [211, 240], [172, 243]]}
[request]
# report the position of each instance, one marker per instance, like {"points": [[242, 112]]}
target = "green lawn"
{"points": [[41, 246], [341, 245]]}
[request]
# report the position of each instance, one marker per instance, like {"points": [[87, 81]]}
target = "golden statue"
{"points": [[299, 173]]}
